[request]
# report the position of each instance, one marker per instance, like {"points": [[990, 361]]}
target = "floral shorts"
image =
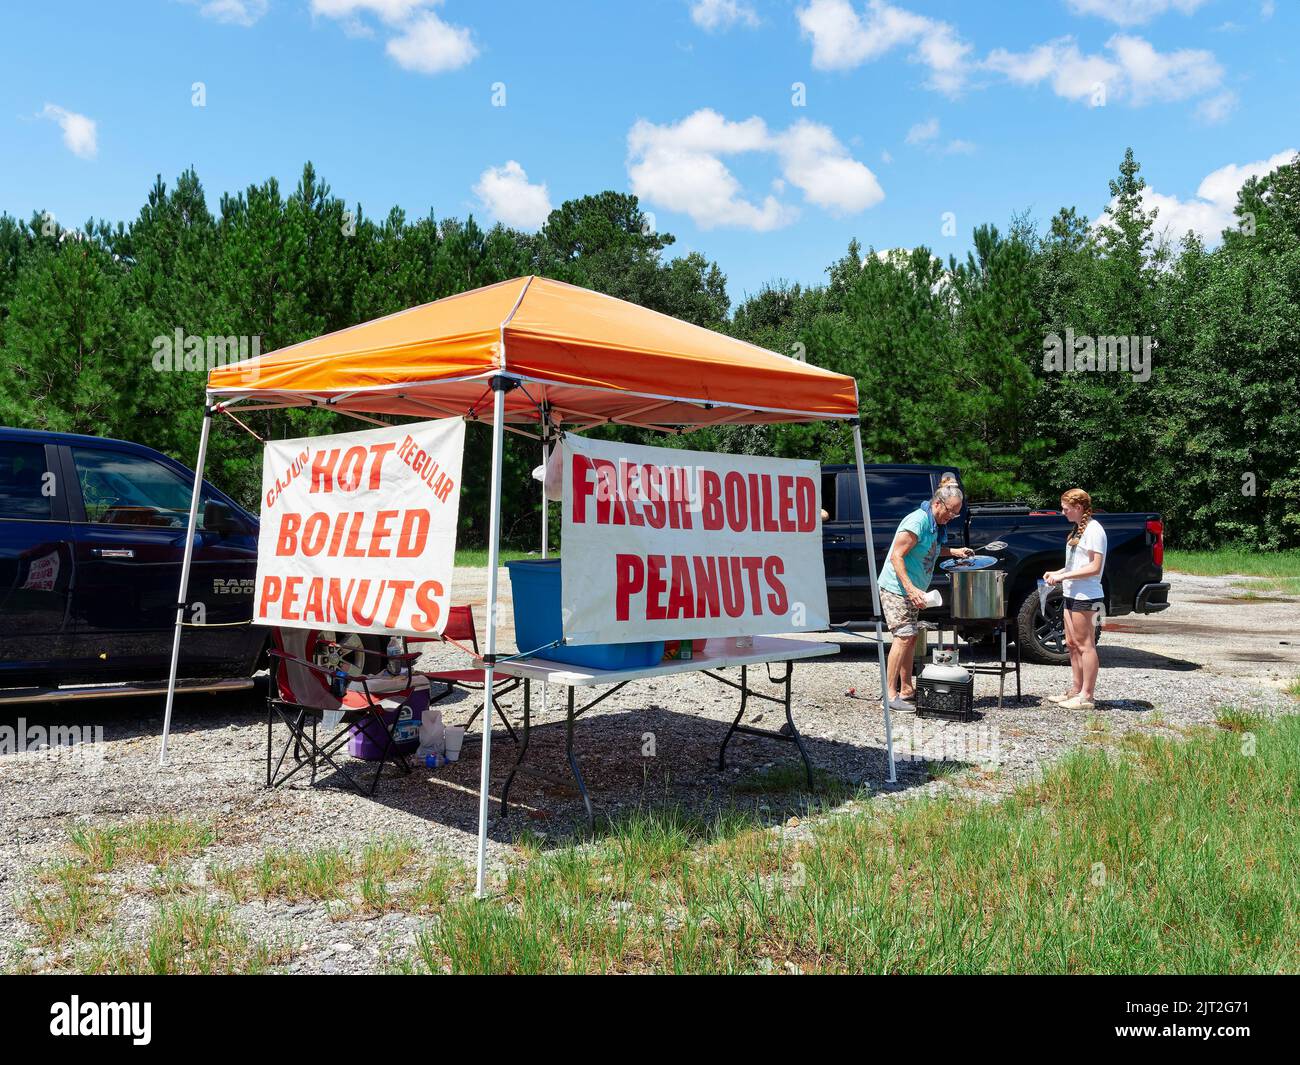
{"points": [[900, 615]]}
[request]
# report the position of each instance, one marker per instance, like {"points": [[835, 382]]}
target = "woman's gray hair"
{"points": [[947, 490]]}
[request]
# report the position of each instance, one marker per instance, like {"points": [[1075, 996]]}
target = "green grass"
{"points": [[157, 841], [790, 779], [1233, 719], [195, 936], [1235, 560], [1156, 856], [478, 556], [1144, 854], [70, 911]]}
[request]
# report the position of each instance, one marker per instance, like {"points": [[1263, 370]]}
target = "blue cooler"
{"points": [[535, 587]]}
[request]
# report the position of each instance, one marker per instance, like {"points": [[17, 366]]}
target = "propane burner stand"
{"points": [[997, 628]]}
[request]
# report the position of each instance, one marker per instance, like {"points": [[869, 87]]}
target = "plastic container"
{"points": [[535, 587], [454, 738]]}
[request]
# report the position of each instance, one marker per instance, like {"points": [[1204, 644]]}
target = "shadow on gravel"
{"points": [[762, 776], [651, 758], [141, 717]]}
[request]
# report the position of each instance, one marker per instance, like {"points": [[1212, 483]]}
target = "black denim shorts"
{"points": [[1086, 606]]}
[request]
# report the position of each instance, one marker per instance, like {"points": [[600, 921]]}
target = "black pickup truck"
{"points": [[91, 537], [1034, 543]]}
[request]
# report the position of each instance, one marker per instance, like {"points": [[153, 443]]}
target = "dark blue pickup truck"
{"points": [[1028, 542], [91, 537]]}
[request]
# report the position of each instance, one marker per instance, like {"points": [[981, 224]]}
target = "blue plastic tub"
{"points": [[535, 585]]}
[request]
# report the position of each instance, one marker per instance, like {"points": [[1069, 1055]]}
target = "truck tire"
{"points": [[1042, 639], [349, 656]]}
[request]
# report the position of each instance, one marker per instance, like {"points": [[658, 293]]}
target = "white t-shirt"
{"points": [[1076, 557]]}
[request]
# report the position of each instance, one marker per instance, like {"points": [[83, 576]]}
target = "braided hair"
{"points": [[1079, 498]]}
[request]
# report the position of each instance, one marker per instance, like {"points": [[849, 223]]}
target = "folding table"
{"points": [[717, 654]]}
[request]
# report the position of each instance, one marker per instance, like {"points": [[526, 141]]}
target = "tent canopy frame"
{"points": [[498, 384]]}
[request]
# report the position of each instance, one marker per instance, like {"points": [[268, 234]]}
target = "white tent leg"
{"points": [[494, 557], [546, 522], [185, 577], [875, 599]]}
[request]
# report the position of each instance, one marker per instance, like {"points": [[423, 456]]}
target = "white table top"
{"points": [[716, 654]]}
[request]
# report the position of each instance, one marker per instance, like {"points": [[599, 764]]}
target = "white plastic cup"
{"points": [[453, 737], [933, 598]]}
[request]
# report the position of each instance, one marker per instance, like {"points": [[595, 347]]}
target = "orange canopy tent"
{"points": [[534, 351], [591, 358]]}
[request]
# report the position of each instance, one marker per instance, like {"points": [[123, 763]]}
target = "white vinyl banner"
{"points": [[359, 529], [666, 544]]}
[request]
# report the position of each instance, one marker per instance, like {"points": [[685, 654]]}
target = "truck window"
{"points": [[893, 493], [828, 495], [122, 489], [23, 485]]}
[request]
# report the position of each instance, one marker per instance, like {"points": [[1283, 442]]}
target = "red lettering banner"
{"points": [[359, 529], [667, 544]]}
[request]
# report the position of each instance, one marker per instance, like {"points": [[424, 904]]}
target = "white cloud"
{"points": [[1216, 109], [1132, 12], [1134, 70], [509, 197], [1164, 76], [722, 14], [843, 39], [923, 132], [926, 135], [80, 134], [430, 46], [680, 167], [233, 12], [815, 162], [1267, 10], [1209, 212], [393, 12], [420, 41]]}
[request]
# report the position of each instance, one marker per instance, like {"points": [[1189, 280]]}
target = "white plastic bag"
{"points": [[552, 474], [432, 735]]}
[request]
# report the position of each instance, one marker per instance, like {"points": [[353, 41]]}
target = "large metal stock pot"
{"points": [[978, 590]]}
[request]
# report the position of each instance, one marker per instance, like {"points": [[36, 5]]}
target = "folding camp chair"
{"points": [[307, 688], [460, 626]]}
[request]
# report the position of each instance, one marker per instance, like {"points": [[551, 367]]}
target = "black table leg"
{"points": [[788, 732], [744, 700], [794, 732], [523, 747], [573, 764]]}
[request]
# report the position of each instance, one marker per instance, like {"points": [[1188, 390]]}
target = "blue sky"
{"points": [[911, 112]]}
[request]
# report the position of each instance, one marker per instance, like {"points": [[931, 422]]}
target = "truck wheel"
{"points": [[1042, 637], [347, 653]]}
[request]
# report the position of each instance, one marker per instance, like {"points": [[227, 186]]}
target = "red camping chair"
{"points": [[308, 684], [460, 626]]}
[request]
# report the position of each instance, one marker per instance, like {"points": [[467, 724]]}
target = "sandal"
{"points": [[1077, 703], [1059, 699]]}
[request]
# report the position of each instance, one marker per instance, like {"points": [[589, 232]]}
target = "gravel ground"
{"points": [[1161, 674]]}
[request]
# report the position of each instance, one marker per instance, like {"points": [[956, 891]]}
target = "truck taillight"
{"points": [[1157, 529]]}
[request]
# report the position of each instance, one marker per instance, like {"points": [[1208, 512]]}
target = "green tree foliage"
{"points": [[949, 358]]}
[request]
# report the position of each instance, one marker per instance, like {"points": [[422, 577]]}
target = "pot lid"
{"points": [[974, 562]]}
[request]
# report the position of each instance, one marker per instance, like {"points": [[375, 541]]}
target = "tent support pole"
{"points": [[499, 388], [546, 514], [875, 599], [185, 576]]}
